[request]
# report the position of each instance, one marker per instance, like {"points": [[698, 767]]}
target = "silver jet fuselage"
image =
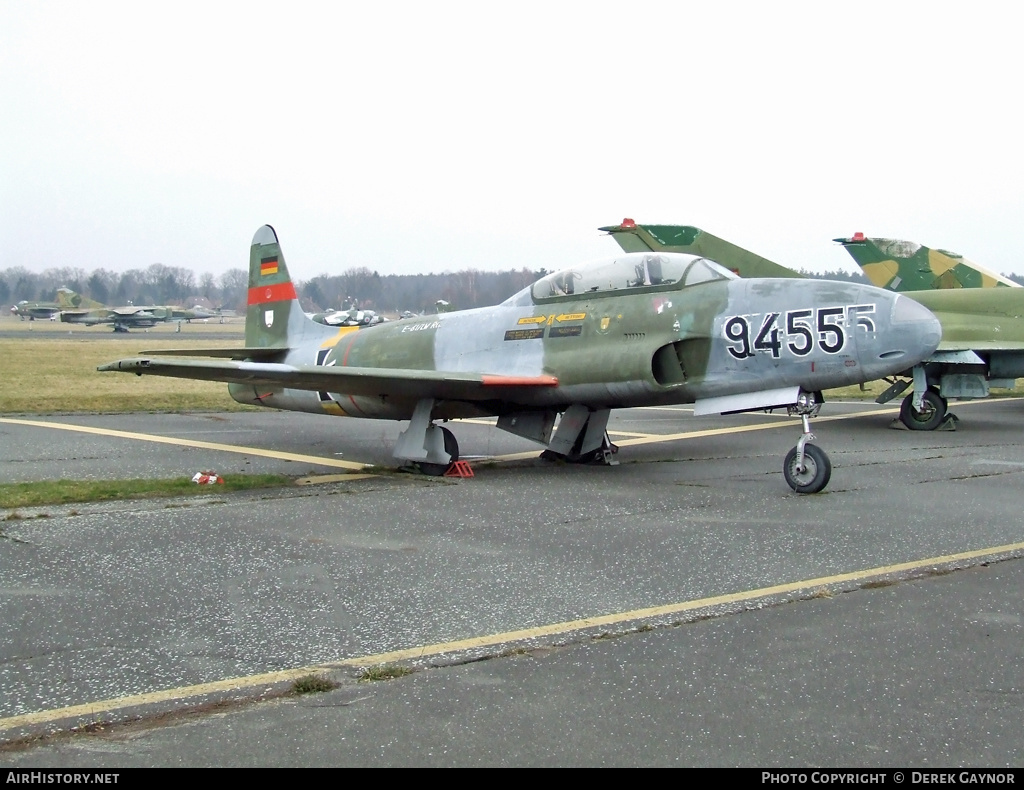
{"points": [[636, 330]]}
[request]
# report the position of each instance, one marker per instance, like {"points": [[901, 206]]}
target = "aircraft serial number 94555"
{"points": [[802, 330]]}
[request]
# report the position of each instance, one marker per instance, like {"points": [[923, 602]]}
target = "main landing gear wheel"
{"points": [[933, 410], [814, 475], [450, 446]]}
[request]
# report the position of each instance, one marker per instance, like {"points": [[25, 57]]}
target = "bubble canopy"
{"points": [[635, 270]]}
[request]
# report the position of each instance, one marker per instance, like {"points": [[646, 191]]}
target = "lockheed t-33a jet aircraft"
{"points": [[552, 361]]}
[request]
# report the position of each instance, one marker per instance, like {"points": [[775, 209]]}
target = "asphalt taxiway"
{"points": [[683, 607]]}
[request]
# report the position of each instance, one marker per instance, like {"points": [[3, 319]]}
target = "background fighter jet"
{"points": [[982, 315], [122, 318], [907, 266], [553, 360], [982, 328], [33, 310], [134, 317], [66, 300], [686, 238]]}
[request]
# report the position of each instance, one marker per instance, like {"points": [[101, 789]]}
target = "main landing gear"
{"points": [[582, 438], [428, 447], [807, 468], [925, 408], [451, 448], [929, 416]]}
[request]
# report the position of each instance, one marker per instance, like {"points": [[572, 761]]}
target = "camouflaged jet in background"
{"points": [[122, 318], [553, 360], [982, 328], [36, 310], [694, 241], [66, 300], [907, 266], [135, 317]]}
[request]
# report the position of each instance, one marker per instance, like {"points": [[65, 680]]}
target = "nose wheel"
{"points": [[807, 468], [810, 473]]}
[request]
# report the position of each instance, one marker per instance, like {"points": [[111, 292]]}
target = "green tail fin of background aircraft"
{"points": [[633, 237], [69, 300], [906, 266]]}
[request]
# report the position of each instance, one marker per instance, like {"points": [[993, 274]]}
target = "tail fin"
{"points": [[907, 266], [69, 300], [273, 317], [686, 238]]}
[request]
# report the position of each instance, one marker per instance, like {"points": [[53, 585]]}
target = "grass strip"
{"points": [[61, 492]]}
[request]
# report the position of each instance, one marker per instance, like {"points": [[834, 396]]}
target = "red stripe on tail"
{"points": [[261, 294]]}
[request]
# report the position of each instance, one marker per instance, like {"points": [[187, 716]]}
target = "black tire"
{"points": [[816, 473], [451, 446], [933, 410]]}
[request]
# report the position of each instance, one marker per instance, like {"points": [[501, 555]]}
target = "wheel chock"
{"points": [[459, 469]]}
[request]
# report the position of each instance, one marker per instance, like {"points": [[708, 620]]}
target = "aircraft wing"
{"points": [[258, 353], [399, 382], [126, 312]]}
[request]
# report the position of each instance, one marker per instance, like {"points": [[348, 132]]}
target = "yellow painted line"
{"points": [[655, 438], [108, 706], [651, 439], [224, 448], [314, 480], [762, 426], [493, 424]]}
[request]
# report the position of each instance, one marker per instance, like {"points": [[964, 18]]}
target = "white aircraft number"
{"points": [[799, 331]]}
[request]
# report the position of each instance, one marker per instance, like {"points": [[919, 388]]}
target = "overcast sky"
{"points": [[414, 137]]}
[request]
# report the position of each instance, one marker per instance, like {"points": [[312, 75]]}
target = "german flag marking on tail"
{"points": [[268, 266]]}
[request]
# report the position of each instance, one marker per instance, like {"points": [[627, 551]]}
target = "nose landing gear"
{"points": [[807, 468]]}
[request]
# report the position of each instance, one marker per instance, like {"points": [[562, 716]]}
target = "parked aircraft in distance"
{"points": [[36, 310], [351, 317], [196, 313], [908, 266], [134, 317], [633, 237], [66, 300], [982, 328], [553, 360]]}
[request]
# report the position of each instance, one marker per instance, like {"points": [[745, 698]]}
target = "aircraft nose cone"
{"points": [[917, 329]]}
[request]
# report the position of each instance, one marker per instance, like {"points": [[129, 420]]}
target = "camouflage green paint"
{"points": [[633, 237], [906, 266], [977, 319]]}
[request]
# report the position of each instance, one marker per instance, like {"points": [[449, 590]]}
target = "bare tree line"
{"points": [[356, 287]]}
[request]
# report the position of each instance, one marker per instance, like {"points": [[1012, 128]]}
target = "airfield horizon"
{"points": [[54, 369]]}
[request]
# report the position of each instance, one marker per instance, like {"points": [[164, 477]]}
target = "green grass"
{"points": [[383, 672], [313, 684], [60, 492], [47, 373]]}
